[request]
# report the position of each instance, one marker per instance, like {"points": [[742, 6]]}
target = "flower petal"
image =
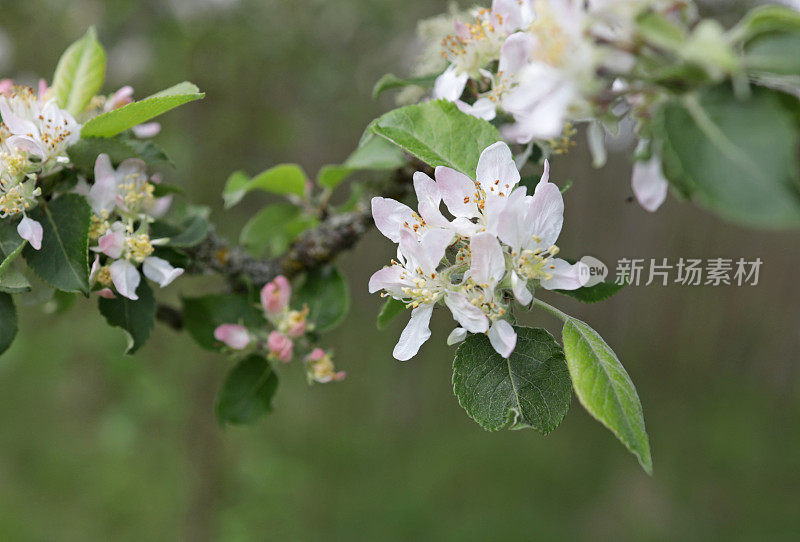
{"points": [[503, 337], [520, 288], [545, 214], [160, 271], [496, 163], [233, 335], [515, 52], [456, 336], [565, 276], [31, 231], [391, 279], [648, 184], [125, 277], [465, 313], [457, 191], [488, 262], [415, 333], [450, 85], [390, 216]]}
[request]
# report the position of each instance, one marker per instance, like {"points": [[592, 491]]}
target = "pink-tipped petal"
{"points": [[160, 271], [391, 216], [458, 192], [233, 335], [275, 295]]}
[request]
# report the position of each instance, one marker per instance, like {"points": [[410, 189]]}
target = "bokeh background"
{"points": [[98, 446]]}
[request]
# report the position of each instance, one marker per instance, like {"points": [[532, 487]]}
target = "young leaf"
{"points": [[325, 292], [737, 158], [391, 81], [529, 389], [390, 310], [375, 154], [247, 392], [8, 321], [439, 134], [63, 261], [190, 233], [282, 179], [274, 228], [80, 73], [202, 315], [136, 318], [117, 121], [11, 245], [604, 388], [593, 294], [775, 53], [764, 20]]}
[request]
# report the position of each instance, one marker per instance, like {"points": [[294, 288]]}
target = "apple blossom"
{"points": [[462, 262], [280, 346], [275, 295]]}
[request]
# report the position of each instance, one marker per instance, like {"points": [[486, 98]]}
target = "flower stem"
{"points": [[551, 309]]}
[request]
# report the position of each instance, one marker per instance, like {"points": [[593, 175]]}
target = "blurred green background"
{"points": [[98, 446]]}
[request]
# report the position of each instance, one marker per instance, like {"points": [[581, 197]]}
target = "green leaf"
{"points": [[375, 154], [63, 261], [438, 134], [282, 179], [83, 154], [190, 233], [80, 73], [325, 292], [604, 388], [202, 315], [529, 389], [737, 158], [8, 321], [660, 31], [776, 53], [391, 81], [766, 19], [390, 310], [114, 122], [137, 318], [11, 245], [274, 228], [247, 392], [593, 294], [13, 282]]}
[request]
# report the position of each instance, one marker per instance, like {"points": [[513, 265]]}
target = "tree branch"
{"points": [[313, 248]]}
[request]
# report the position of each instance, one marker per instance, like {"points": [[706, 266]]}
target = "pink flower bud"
{"points": [[280, 346], [107, 293], [233, 335], [316, 354], [275, 295], [298, 329], [6, 86]]}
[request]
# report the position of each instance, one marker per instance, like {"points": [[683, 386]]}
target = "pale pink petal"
{"points": [[103, 193], [511, 223], [565, 276], [275, 295], [17, 125], [146, 130], [31, 231], [125, 277], [520, 288], [450, 85], [545, 214], [106, 293], [433, 245], [391, 216], [458, 192], [503, 338], [465, 313], [391, 279], [160, 271], [483, 108], [415, 333], [488, 262], [649, 184], [456, 336], [111, 243], [497, 171], [233, 335], [429, 199], [26, 144], [515, 52]]}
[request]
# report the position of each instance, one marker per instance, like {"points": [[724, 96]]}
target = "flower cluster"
{"points": [[288, 334], [123, 207], [547, 64], [34, 137], [498, 245]]}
